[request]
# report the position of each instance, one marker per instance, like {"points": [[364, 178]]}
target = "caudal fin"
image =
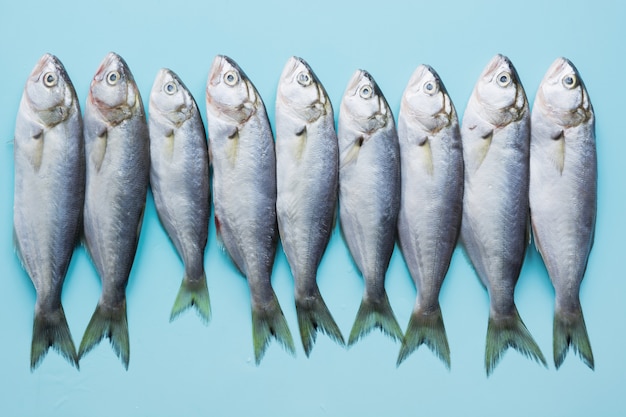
{"points": [[50, 330], [426, 328], [313, 315], [570, 329], [111, 323], [375, 314], [267, 322], [505, 332], [193, 293]]}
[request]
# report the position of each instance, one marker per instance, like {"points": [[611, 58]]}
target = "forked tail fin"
{"points": [[111, 323], [193, 293], [505, 332], [269, 321], [426, 328], [375, 314], [313, 315], [50, 330], [570, 330]]}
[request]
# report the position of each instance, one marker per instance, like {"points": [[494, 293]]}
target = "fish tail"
{"points": [[193, 293], [375, 314], [50, 329], [111, 323], [269, 321], [426, 328], [570, 329], [509, 331], [313, 315]]}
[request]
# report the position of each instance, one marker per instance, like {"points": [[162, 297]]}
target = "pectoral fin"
{"points": [[427, 155], [301, 137], [37, 150], [233, 146], [353, 153], [559, 150], [99, 149], [484, 146]]}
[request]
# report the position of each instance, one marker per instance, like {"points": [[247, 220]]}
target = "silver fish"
{"points": [[49, 195], [431, 202], [369, 196], [563, 197], [179, 176], [242, 153], [307, 170], [118, 167], [496, 141]]}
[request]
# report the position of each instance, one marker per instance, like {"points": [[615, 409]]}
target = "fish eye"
{"points": [[170, 88], [304, 79], [113, 77], [366, 91], [503, 79], [430, 87], [231, 78], [50, 79], [569, 81]]}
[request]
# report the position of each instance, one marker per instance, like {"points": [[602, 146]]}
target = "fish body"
{"points": [[563, 197], [431, 202], [179, 177], [496, 142], [49, 195], [118, 167], [242, 154], [307, 173], [369, 196]]}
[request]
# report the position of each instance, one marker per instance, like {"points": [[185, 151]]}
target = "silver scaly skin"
{"points": [[369, 197], [241, 150], [117, 150], [179, 177], [307, 171], [563, 197], [496, 142], [49, 195], [431, 202]]}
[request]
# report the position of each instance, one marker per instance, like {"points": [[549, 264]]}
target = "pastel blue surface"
{"points": [[186, 368]]}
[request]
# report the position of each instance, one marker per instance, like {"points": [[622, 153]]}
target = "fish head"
{"points": [[113, 90], [562, 94], [170, 98], [49, 91], [426, 100], [364, 105], [301, 92], [500, 93], [229, 91]]}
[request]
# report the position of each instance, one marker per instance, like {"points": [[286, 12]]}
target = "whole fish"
{"points": [[431, 203], [179, 176], [496, 140], [563, 197], [369, 196], [244, 192], [49, 195], [118, 167], [307, 171]]}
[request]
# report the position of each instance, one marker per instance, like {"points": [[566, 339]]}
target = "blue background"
{"points": [[186, 368]]}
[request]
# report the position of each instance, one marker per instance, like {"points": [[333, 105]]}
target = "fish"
{"points": [[242, 155], [431, 202], [117, 151], [307, 173], [495, 135], [563, 197], [369, 197], [179, 178], [48, 197]]}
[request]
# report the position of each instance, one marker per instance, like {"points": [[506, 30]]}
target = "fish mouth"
{"points": [[46, 60], [110, 60]]}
